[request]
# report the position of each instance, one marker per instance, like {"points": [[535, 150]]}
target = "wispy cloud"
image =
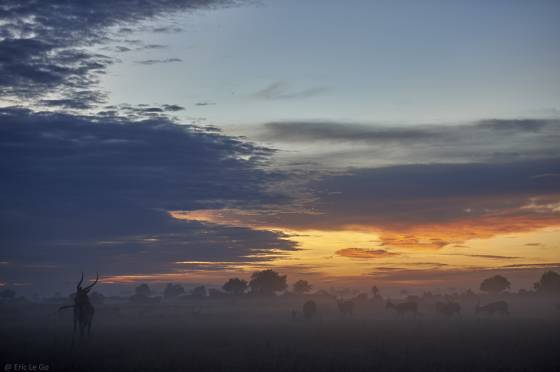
{"points": [[42, 42], [158, 61], [365, 145], [364, 253], [280, 90]]}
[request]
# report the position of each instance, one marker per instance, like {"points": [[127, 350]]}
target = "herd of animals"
{"points": [[83, 310], [447, 309]]}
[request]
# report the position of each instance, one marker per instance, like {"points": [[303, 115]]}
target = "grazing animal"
{"points": [[309, 310], [83, 309], [500, 307], [448, 308], [345, 306], [403, 308]]}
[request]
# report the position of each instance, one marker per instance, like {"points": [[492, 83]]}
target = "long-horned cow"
{"points": [[500, 307], [403, 308], [83, 309]]}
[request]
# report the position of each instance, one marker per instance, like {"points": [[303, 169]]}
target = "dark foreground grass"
{"points": [[383, 345]]}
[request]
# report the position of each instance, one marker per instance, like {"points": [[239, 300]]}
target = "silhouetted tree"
{"points": [[143, 290], [495, 284], [235, 286], [267, 282], [549, 283], [173, 290], [199, 291], [7, 294], [302, 286]]}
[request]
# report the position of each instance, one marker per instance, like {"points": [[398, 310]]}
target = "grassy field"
{"points": [[172, 338]]}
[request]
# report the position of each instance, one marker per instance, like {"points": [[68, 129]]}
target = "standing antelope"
{"points": [[500, 307], [83, 309], [404, 308]]}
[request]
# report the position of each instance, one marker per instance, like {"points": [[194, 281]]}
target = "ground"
{"points": [[216, 336]]}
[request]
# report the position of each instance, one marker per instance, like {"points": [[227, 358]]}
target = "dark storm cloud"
{"points": [[94, 192], [42, 42]]}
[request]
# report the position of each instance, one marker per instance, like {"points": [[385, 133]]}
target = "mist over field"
{"points": [[252, 328]]}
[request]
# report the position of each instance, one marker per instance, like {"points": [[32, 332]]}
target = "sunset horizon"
{"points": [[321, 163]]}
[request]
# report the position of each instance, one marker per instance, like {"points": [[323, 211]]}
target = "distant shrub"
{"points": [[267, 282], [173, 290], [549, 283], [235, 286], [495, 284]]}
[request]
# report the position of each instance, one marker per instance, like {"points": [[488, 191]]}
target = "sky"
{"points": [[406, 144]]}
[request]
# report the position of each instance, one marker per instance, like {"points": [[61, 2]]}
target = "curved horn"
{"points": [[94, 283], [80, 282]]}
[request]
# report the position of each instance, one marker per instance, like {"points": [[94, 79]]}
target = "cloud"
{"points": [[92, 193], [141, 111], [45, 46], [282, 91], [336, 132], [367, 145], [205, 104], [489, 256], [426, 206], [167, 29], [157, 61], [364, 253], [434, 205]]}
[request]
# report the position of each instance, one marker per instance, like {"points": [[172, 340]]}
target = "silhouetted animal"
{"points": [[309, 310], [345, 306], [500, 307], [448, 308], [403, 308], [83, 309]]}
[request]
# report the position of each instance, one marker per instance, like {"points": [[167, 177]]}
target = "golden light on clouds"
{"points": [[379, 253]]}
